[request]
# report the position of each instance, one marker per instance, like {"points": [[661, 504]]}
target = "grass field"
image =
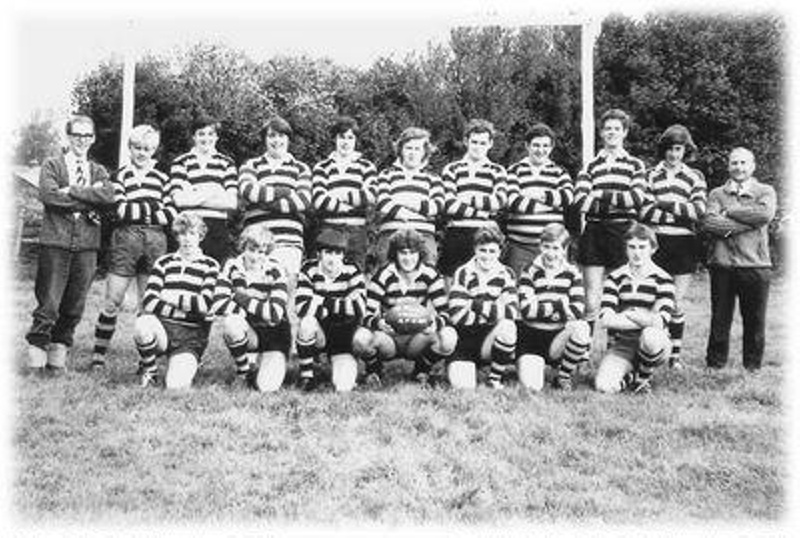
{"points": [[703, 448]]}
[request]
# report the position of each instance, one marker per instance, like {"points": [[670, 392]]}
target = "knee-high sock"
{"points": [[306, 354], [238, 350], [676, 327], [574, 354], [648, 362], [147, 357], [502, 356], [104, 331]]}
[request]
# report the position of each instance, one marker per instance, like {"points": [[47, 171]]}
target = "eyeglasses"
{"points": [[84, 136]]}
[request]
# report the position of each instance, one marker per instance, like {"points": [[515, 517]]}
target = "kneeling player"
{"points": [[252, 294], [406, 283], [177, 307], [551, 330], [638, 300], [330, 306], [483, 307]]}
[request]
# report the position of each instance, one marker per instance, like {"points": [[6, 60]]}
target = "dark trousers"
{"points": [[751, 287], [63, 279]]}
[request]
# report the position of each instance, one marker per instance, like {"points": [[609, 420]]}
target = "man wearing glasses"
{"points": [[73, 189]]}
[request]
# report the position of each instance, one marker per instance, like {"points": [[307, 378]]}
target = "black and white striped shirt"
{"points": [[479, 299], [266, 297], [143, 196], [560, 287], [474, 191], [188, 170], [341, 298], [181, 290], [418, 191], [618, 180], [342, 190], [389, 288], [678, 201]]}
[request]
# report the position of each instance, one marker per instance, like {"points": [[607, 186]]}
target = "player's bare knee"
{"points": [[653, 340], [234, 327], [145, 328], [580, 332], [362, 342], [446, 341], [307, 328]]}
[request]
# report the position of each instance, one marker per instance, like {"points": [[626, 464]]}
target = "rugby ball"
{"points": [[408, 318]]}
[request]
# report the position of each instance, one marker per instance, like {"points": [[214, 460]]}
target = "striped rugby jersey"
{"points": [[473, 192], [190, 283], [342, 298], [389, 288], [269, 297], [277, 193], [620, 183], [479, 299], [419, 191], [681, 197], [562, 287], [537, 196], [341, 191], [654, 291], [143, 196], [188, 170]]}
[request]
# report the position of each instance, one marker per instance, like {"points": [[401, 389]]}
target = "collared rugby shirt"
{"points": [[684, 190], [188, 170], [561, 287], [267, 304], [620, 183], [193, 283], [654, 291], [473, 191], [419, 191], [389, 288], [537, 196], [342, 190], [277, 193], [341, 298], [143, 196], [480, 299]]}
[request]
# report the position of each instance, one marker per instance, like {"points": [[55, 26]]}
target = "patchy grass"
{"points": [[704, 447]]}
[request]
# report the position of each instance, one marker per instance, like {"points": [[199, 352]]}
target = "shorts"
{"points": [[533, 341], [135, 248], [470, 342], [338, 335], [271, 338], [458, 247], [519, 256], [603, 243], [624, 345], [678, 254], [356, 237], [185, 338], [218, 242]]}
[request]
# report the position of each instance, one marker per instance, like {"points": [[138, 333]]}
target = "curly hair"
{"points": [[407, 239], [256, 235]]}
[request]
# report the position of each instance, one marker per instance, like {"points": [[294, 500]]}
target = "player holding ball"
{"points": [[406, 313]]}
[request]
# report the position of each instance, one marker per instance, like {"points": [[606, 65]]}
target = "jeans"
{"points": [[63, 279], [751, 287]]}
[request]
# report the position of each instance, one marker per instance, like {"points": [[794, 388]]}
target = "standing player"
{"points": [[678, 202], [638, 300], [551, 329], [538, 193], [407, 279], [144, 207], [251, 295], [342, 188], [609, 191], [176, 308], [276, 189], [408, 195], [204, 183], [330, 305], [72, 189], [483, 307], [475, 191]]}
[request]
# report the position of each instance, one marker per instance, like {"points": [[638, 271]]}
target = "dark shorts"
{"points": [[185, 338], [134, 249], [339, 335], [470, 342], [218, 242], [272, 338], [602, 243], [678, 254], [457, 248], [532, 341]]}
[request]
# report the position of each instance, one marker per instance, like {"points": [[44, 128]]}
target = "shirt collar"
{"points": [[746, 186], [621, 153], [662, 167], [350, 158], [649, 270]]}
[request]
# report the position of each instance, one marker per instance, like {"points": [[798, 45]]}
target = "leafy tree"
{"points": [[36, 140]]}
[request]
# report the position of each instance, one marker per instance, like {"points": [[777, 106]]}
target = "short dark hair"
{"points": [[201, 121], [488, 234], [539, 130], [79, 118], [342, 124], [642, 232], [616, 114], [407, 239], [479, 126], [277, 124]]}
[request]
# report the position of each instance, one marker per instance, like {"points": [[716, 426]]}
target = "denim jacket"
{"points": [[67, 221], [737, 219]]}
